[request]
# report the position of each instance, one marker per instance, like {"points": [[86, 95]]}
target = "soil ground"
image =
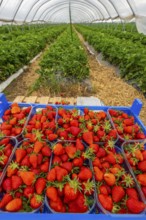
{"points": [[107, 86]]}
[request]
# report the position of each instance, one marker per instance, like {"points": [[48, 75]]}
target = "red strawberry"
{"points": [[28, 177], [57, 205], [85, 174], [79, 145], [46, 151], [38, 146], [33, 159], [88, 137], [95, 147], [40, 185], [51, 175], [28, 191], [71, 190], [109, 179], [101, 153], [117, 193], [36, 201], [25, 161], [52, 193], [135, 206], [52, 137], [60, 173], [14, 205], [142, 166], [71, 151], [45, 166], [7, 184], [103, 190], [132, 193], [74, 131], [67, 165], [5, 200], [16, 182], [20, 154], [106, 202], [78, 162], [58, 149]]}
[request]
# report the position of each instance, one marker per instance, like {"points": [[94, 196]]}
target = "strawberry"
{"points": [[67, 165], [58, 149], [46, 151], [79, 145], [142, 179], [144, 190], [140, 135], [85, 174], [52, 137], [74, 131], [142, 166], [135, 206], [98, 174], [52, 193], [109, 179], [5, 200], [40, 185], [57, 205], [95, 147], [60, 173], [71, 191], [88, 137], [78, 162], [36, 201], [78, 205], [64, 158], [106, 202], [28, 191], [38, 146], [132, 193], [12, 169], [20, 154], [56, 160], [71, 151], [16, 182], [96, 162], [44, 166], [117, 193], [7, 184], [51, 175], [103, 190], [111, 158], [25, 161], [13, 121], [74, 123], [28, 177], [14, 205], [128, 121], [33, 159], [101, 152]]}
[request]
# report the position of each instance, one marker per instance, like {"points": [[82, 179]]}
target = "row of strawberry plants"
{"points": [[66, 57], [127, 55], [125, 35], [17, 52]]}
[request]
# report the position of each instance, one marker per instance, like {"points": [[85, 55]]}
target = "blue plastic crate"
{"points": [[134, 109]]}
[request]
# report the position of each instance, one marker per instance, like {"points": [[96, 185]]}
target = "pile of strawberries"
{"points": [[90, 126], [70, 186], [116, 189], [24, 183], [126, 126], [14, 120], [136, 156], [69, 160], [6, 147], [42, 124]]}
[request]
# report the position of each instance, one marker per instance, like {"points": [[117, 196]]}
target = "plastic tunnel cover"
{"points": [[82, 11]]}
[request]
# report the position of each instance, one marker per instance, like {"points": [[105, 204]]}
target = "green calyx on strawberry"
{"points": [[127, 181], [89, 154]]}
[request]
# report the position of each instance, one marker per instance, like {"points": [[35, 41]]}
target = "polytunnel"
{"points": [[23, 11], [73, 109]]}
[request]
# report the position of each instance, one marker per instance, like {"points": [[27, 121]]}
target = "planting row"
{"points": [[135, 37], [18, 51], [127, 55], [66, 57], [71, 177]]}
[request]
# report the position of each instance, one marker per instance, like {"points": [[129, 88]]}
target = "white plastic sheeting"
{"points": [[82, 11]]}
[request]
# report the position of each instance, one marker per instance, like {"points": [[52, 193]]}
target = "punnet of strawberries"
{"points": [[6, 148], [90, 126], [25, 180], [14, 120], [42, 124], [70, 184], [135, 153], [126, 126], [117, 191]]}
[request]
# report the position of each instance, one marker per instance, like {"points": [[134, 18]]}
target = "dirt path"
{"points": [[22, 85], [110, 88]]}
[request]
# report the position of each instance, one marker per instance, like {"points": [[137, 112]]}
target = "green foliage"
{"points": [[19, 50], [129, 56], [65, 57]]}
